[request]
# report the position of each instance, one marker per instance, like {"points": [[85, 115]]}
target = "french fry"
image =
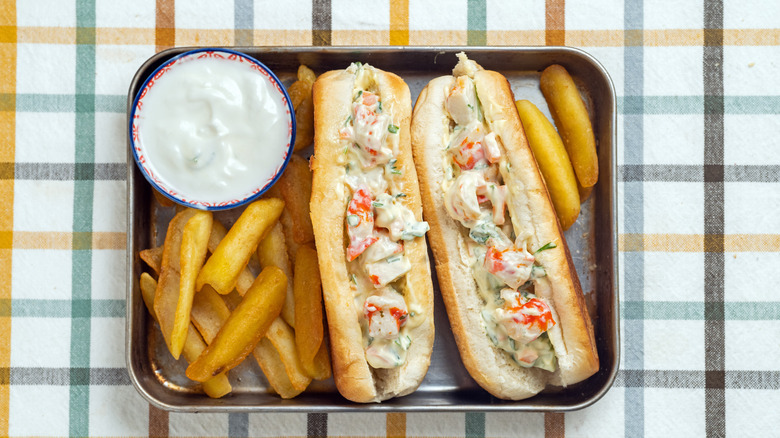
{"points": [[275, 372], [166, 296], [322, 368], [283, 339], [272, 251], [194, 243], [209, 313], [571, 118], [301, 99], [295, 188], [244, 328], [162, 199], [232, 254], [232, 300], [153, 258], [309, 331], [553, 162], [215, 387], [245, 277]]}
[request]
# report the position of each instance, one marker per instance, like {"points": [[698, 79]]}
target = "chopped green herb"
{"points": [[393, 259], [349, 119], [393, 129], [358, 64], [353, 220], [379, 107], [412, 314], [395, 171], [377, 204], [353, 278], [508, 166], [400, 195], [549, 245]]}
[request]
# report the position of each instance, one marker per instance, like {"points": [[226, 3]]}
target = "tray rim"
{"points": [[344, 405]]}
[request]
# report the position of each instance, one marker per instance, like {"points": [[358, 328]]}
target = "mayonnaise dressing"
{"points": [[213, 129]]}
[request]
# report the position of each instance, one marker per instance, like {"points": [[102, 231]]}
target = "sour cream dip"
{"points": [[213, 129]]}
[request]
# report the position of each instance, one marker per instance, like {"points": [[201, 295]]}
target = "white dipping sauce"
{"points": [[213, 129]]}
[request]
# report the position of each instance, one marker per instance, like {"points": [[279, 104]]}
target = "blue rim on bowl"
{"points": [[141, 160]]}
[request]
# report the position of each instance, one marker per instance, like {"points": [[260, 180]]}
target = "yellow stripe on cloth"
{"points": [[399, 22]]}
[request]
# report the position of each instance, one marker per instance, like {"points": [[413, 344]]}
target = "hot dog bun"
{"points": [[533, 218], [334, 95]]}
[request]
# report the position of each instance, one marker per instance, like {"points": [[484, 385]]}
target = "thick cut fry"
{"points": [[307, 288], [245, 326], [295, 188], [273, 368], [194, 244], [553, 162], [584, 192], [209, 313], [166, 297], [153, 258], [193, 345], [245, 277], [571, 118], [321, 365], [301, 99], [272, 251], [282, 337], [162, 199], [232, 254]]}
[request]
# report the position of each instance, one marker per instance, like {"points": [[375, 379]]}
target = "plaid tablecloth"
{"points": [[698, 87]]}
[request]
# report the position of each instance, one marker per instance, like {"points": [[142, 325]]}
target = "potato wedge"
{"points": [[153, 258], [571, 117], [215, 387], [553, 162], [232, 254], [272, 251], [194, 245], [166, 297], [307, 288], [275, 372], [245, 326], [295, 188], [245, 277], [283, 339], [209, 313], [301, 99]]}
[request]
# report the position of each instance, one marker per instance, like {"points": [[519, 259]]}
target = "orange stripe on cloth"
{"points": [[399, 22], [281, 37], [555, 22], [47, 35], [358, 37], [165, 25], [8, 36], [205, 37], [438, 37], [698, 243], [61, 240], [396, 425], [125, 36], [515, 37]]}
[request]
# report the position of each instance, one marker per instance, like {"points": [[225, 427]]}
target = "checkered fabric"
{"points": [[698, 164]]}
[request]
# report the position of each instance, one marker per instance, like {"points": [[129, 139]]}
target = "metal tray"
{"points": [[447, 386]]}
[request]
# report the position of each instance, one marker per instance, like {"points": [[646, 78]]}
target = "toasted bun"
{"points": [[531, 210], [355, 379]]}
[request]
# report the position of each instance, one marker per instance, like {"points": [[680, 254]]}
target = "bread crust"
{"points": [[355, 379], [529, 203]]}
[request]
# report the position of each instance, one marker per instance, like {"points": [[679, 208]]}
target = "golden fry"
{"points": [[272, 251], [584, 192], [295, 188], [245, 326], [271, 363], [306, 74], [321, 365], [194, 244], [307, 288], [215, 387], [153, 258], [553, 162], [283, 339], [162, 199], [571, 118], [232, 254], [209, 313], [245, 277], [166, 297]]}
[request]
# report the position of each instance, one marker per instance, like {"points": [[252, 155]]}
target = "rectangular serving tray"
{"points": [[447, 386]]}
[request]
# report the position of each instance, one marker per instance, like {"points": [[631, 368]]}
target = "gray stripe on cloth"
{"points": [[692, 173], [244, 22], [36, 376], [714, 218], [238, 424], [633, 210], [321, 23], [70, 171], [317, 425]]}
